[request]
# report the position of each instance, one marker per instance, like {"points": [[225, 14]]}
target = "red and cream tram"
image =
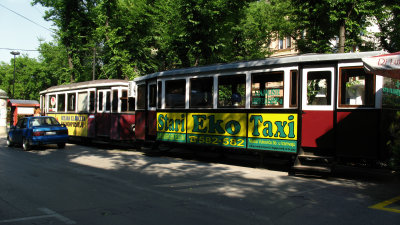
{"points": [[315, 106], [101, 109]]}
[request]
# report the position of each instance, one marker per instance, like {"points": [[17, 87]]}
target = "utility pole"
{"points": [[14, 53]]}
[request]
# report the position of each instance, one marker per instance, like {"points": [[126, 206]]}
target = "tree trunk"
{"points": [[342, 37], [71, 67]]}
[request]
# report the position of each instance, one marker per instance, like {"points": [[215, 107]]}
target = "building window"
{"points": [[267, 90], [280, 43], [201, 92], [175, 92], [356, 87], [288, 42], [232, 91]]}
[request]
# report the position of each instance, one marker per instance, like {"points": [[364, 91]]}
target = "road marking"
{"points": [[383, 205], [50, 213]]}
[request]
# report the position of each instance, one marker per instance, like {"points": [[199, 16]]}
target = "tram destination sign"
{"points": [[264, 131]]}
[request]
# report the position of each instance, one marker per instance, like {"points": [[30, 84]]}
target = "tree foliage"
{"points": [[75, 22], [388, 19], [31, 77], [97, 39], [317, 22]]}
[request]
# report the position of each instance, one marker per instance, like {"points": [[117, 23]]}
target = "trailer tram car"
{"points": [[99, 109], [316, 108]]}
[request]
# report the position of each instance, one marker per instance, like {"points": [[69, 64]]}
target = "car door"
{"points": [[20, 129]]}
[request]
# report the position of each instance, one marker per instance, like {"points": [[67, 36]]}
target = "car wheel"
{"points": [[61, 145], [25, 145], [9, 142]]}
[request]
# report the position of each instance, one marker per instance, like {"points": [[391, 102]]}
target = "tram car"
{"points": [[316, 108], [98, 109]]}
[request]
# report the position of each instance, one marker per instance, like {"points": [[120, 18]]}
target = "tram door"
{"points": [[146, 111], [151, 109], [318, 107]]}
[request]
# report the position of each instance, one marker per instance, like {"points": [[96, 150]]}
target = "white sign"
{"points": [[25, 110]]}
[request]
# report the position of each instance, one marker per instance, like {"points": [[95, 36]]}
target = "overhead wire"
{"points": [[26, 18]]}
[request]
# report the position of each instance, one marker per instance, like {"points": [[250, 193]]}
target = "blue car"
{"points": [[39, 130]]}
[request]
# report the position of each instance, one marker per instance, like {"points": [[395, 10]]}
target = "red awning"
{"points": [[23, 103], [387, 65]]}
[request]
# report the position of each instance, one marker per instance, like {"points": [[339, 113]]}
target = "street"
{"points": [[105, 185]]}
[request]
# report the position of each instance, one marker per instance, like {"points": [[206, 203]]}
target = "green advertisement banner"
{"points": [[174, 137], [272, 144]]}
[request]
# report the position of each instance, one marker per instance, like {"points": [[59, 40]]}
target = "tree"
{"points": [[75, 22], [123, 29], [192, 33], [53, 57], [262, 23], [388, 18], [30, 78], [318, 22]]}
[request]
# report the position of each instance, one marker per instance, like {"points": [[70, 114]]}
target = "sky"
{"points": [[18, 33]]}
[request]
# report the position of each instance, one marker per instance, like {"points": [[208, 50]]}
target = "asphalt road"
{"points": [[104, 185]]}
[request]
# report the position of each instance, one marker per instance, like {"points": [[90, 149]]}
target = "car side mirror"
{"points": [[63, 125], [12, 127]]}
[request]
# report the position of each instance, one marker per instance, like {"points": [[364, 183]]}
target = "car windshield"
{"points": [[43, 121]]}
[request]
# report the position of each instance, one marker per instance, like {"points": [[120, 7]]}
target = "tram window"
{"points": [[131, 104], [61, 103], [152, 95], [201, 92], [52, 103], [356, 87], [319, 88], [82, 101], [232, 91], [159, 94], [115, 101], [175, 91], [127, 104], [293, 88], [71, 102], [108, 101], [141, 96], [267, 90], [124, 101], [92, 101], [100, 101]]}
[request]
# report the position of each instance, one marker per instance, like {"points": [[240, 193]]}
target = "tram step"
{"points": [[313, 168]]}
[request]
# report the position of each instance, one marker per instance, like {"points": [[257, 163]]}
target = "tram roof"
{"points": [[86, 84], [306, 58]]}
